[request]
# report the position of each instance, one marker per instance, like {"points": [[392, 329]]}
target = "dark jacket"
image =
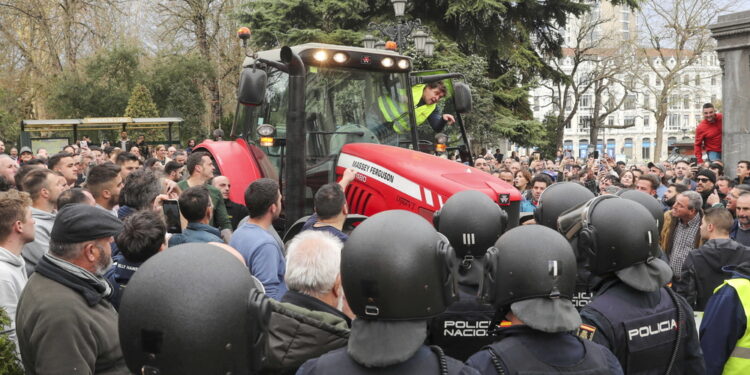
{"points": [[59, 333], [619, 315], [196, 232], [119, 275], [520, 348], [702, 271], [297, 334]]}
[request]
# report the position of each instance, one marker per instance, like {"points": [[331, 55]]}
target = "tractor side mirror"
{"points": [[252, 87], [462, 97]]}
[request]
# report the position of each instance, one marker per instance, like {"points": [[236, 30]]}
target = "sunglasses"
{"points": [[703, 179]]}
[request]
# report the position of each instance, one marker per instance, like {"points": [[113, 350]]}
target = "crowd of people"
{"points": [[608, 267]]}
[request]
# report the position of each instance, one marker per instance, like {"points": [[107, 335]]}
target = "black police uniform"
{"points": [[424, 362], [640, 328], [521, 349], [465, 326], [583, 294]]}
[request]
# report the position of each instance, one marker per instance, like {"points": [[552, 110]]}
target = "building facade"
{"points": [[633, 139]]}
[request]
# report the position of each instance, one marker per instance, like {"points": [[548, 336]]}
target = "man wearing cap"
{"points": [[26, 155], [65, 321], [706, 184], [659, 171]]}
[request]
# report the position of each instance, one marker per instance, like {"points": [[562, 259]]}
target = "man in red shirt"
{"points": [[708, 134]]}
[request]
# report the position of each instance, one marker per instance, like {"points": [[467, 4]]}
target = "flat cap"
{"points": [[26, 149], [77, 223]]}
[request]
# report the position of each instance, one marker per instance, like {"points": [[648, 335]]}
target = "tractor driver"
{"points": [[425, 97]]}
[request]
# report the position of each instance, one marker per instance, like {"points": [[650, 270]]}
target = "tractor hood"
{"points": [[426, 180]]}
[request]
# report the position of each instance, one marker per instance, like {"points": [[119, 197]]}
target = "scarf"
{"points": [[93, 288]]}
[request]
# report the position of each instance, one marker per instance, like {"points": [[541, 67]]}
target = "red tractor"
{"points": [[308, 112]]}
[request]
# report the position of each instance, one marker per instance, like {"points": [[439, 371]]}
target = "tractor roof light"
{"points": [[320, 56], [340, 57], [387, 62], [243, 33], [266, 141], [403, 64]]}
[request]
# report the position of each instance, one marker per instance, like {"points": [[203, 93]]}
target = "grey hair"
{"points": [[313, 262], [141, 188], [66, 251], [695, 201]]}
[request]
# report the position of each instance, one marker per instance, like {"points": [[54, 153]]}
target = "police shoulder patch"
{"points": [[586, 332]]}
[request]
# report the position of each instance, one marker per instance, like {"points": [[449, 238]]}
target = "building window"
{"points": [[713, 81], [697, 79], [629, 121], [583, 123], [674, 102], [630, 101], [686, 102], [611, 120], [671, 141], [673, 122], [646, 149], [536, 103], [646, 120], [697, 102], [568, 145], [627, 148], [646, 101], [658, 81], [685, 120], [583, 148], [611, 147], [568, 103], [586, 101], [697, 119]]}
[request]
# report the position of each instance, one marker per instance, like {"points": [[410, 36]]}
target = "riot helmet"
{"points": [[652, 204], [617, 235], [396, 266], [531, 271], [193, 309], [472, 222], [558, 198]]}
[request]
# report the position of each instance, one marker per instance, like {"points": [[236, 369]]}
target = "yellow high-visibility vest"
{"points": [[739, 360], [396, 113]]}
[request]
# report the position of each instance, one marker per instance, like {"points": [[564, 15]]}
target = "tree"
{"points": [[140, 103], [9, 363], [101, 89], [676, 35], [175, 81], [209, 28]]}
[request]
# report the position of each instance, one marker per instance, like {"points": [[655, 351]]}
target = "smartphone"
{"points": [[172, 214]]}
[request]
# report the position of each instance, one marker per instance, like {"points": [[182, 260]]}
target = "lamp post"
{"points": [[401, 31]]}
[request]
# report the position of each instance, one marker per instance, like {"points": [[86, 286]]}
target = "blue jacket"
{"points": [[196, 232], [119, 275], [723, 324]]}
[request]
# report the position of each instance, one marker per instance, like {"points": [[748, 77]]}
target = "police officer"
{"points": [[646, 325], [530, 277], [472, 223], [653, 206], [193, 309], [555, 200], [396, 273]]}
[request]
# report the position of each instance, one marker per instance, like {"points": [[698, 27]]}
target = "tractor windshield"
{"points": [[342, 105]]}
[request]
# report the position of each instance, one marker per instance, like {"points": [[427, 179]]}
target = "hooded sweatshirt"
{"points": [[703, 269], [33, 251], [12, 281]]}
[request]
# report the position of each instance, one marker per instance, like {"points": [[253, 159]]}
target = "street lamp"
{"points": [[399, 6], [369, 41], [401, 31]]}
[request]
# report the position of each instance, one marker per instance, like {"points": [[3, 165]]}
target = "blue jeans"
{"points": [[713, 155]]}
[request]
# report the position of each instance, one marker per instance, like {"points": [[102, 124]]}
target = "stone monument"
{"points": [[732, 33]]}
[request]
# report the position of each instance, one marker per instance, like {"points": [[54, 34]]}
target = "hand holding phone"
{"points": [[172, 215]]}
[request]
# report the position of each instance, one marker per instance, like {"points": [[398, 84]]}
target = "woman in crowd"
{"points": [[521, 182], [627, 179]]}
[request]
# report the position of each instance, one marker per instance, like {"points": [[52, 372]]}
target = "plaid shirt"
{"points": [[683, 243]]}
